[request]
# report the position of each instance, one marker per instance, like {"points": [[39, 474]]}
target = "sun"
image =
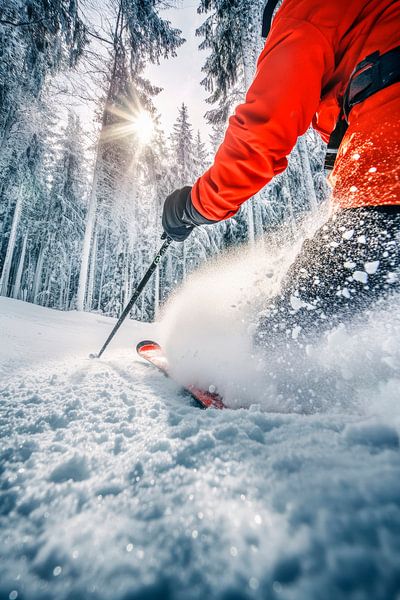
{"points": [[143, 127]]}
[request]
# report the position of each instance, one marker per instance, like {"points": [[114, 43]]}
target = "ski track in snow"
{"points": [[114, 486]]}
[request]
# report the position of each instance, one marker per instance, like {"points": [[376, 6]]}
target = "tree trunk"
{"points": [[308, 179], [103, 266], [248, 49], [37, 281], [184, 261], [68, 287], [250, 221], [142, 306], [61, 296], [126, 274], [47, 286], [157, 293], [90, 221], [288, 202], [5, 275], [91, 216], [20, 270], [89, 298]]}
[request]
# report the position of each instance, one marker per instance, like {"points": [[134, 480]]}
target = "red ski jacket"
{"points": [[302, 73]]}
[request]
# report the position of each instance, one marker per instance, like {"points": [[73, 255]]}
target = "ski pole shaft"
{"points": [[137, 292]]}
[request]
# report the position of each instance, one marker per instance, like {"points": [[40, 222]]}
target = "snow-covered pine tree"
{"points": [[232, 34], [217, 135], [207, 241], [66, 216], [27, 187], [139, 34], [156, 183], [185, 172], [201, 156], [183, 149], [37, 38]]}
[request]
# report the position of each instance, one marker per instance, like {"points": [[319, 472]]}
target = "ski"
{"points": [[153, 353]]}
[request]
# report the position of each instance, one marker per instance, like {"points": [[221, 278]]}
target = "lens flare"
{"points": [[130, 121]]}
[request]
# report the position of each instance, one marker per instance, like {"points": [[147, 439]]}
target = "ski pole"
{"points": [[136, 293]]}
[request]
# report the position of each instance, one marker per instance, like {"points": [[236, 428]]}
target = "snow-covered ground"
{"points": [[113, 486]]}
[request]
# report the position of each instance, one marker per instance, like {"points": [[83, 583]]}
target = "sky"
{"points": [[180, 76]]}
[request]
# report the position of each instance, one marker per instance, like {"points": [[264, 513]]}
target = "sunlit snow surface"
{"points": [[113, 486]]}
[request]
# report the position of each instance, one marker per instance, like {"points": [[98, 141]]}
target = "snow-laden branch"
{"points": [[21, 23]]}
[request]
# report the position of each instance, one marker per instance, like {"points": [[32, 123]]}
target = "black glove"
{"points": [[180, 216]]}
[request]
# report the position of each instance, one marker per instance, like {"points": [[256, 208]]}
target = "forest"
{"points": [[81, 198]]}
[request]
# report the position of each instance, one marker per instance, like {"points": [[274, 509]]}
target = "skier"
{"points": [[324, 63]]}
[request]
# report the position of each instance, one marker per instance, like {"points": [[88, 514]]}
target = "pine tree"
{"points": [[217, 135], [184, 172], [37, 39], [201, 157], [183, 149], [28, 189], [232, 34], [67, 213], [139, 33]]}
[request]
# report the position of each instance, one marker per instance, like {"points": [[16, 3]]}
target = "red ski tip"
{"points": [[147, 345], [153, 353]]}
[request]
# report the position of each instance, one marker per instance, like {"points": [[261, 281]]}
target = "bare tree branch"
{"points": [[21, 23], [98, 37]]}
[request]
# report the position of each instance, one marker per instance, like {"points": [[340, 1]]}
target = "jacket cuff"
{"points": [[193, 215]]}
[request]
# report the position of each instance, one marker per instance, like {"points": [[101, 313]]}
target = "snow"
{"points": [[114, 486]]}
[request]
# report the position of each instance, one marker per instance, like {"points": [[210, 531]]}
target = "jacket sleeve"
{"points": [[291, 71]]}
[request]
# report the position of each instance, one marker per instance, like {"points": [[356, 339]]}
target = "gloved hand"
{"points": [[180, 216]]}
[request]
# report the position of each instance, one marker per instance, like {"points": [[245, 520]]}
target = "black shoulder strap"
{"points": [[334, 142], [267, 17], [374, 73]]}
